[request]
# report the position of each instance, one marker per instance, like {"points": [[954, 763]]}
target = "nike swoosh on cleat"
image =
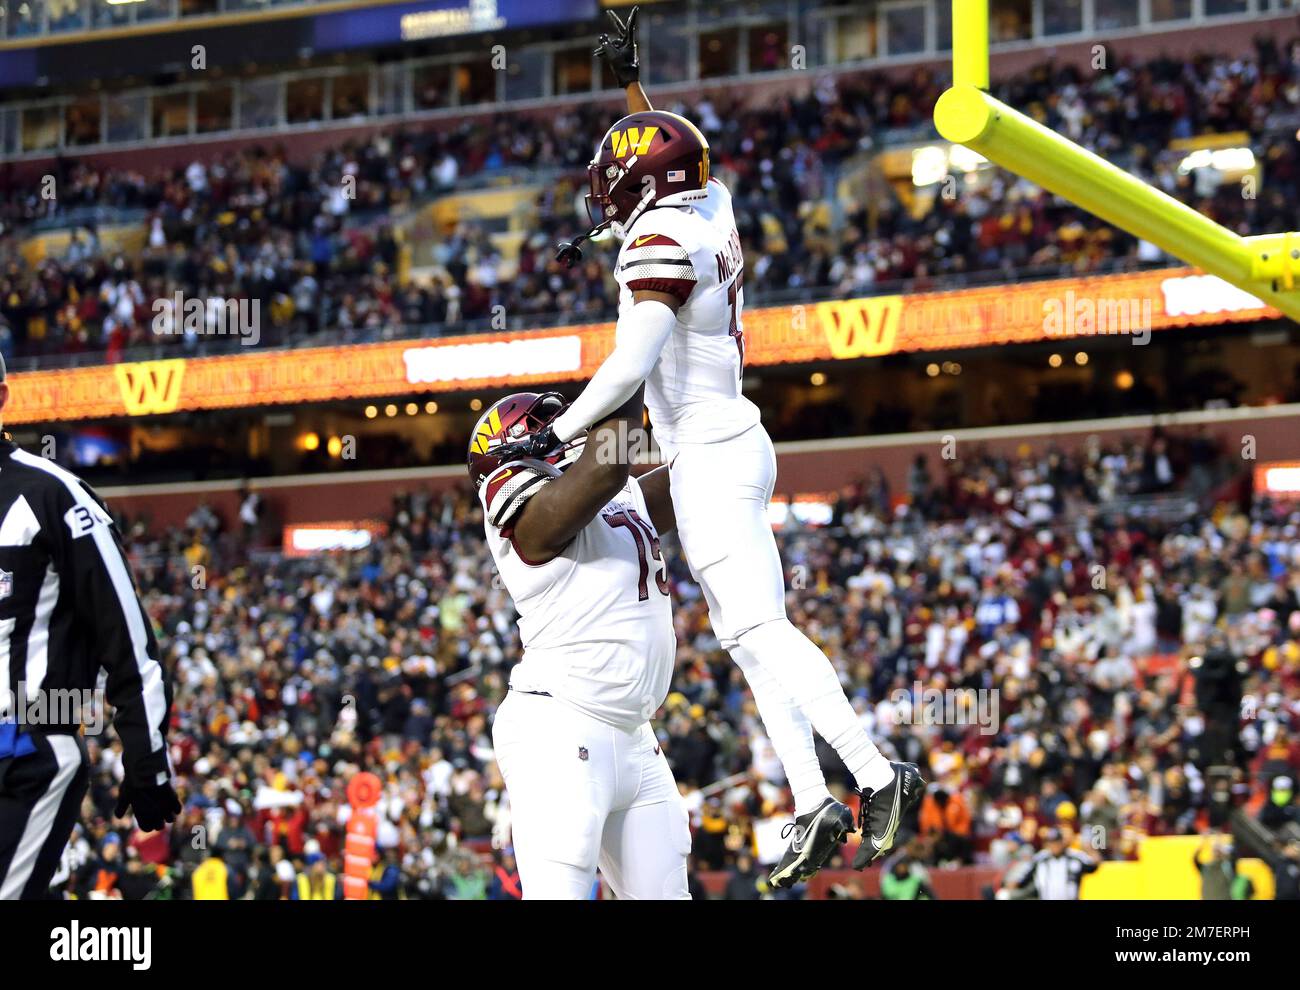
{"points": [[801, 840], [893, 816], [797, 843]]}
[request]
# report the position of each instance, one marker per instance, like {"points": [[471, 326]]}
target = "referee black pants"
{"points": [[40, 798]]}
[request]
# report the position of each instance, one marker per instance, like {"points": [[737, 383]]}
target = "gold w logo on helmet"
{"points": [[488, 427], [861, 327], [150, 387], [633, 139]]}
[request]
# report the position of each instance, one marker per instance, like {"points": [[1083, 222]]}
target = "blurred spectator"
{"points": [[946, 819], [468, 880], [1286, 872], [746, 882], [211, 879], [505, 879], [1213, 861], [387, 882], [317, 882], [1281, 808], [905, 879]]}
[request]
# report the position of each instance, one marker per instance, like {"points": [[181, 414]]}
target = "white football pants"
{"points": [[583, 794], [720, 493]]}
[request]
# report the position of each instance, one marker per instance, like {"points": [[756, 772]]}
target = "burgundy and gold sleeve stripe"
{"points": [[657, 263]]}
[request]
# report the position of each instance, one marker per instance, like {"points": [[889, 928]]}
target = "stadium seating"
{"points": [[259, 222], [983, 583]]}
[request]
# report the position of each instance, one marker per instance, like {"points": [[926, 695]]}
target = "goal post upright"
{"points": [[1267, 266], [970, 43]]}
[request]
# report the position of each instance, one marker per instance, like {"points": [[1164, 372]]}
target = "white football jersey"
{"points": [[596, 621], [693, 252]]}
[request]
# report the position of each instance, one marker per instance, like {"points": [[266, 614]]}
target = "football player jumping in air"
{"points": [[679, 331]]}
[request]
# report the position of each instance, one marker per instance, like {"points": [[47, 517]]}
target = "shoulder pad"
{"points": [[509, 488]]}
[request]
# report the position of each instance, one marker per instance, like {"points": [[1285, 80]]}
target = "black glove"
{"points": [[536, 445], [153, 806], [619, 52]]}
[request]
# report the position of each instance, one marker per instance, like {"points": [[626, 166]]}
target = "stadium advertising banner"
{"points": [[308, 539], [874, 326], [1278, 479], [367, 27]]}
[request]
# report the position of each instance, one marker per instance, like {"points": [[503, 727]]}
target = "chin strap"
{"points": [[569, 253]]}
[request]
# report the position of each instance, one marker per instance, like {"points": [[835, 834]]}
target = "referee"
{"points": [[68, 608], [1055, 871]]}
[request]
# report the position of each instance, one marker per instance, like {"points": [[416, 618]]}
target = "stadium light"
{"points": [[1220, 159], [932, 163], [929, 165], [1266, 266]]}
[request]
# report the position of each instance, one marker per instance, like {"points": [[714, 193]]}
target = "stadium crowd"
{"points": [[319, 247], [1005, 622]]}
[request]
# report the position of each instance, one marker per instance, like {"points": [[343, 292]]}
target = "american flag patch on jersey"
{"points": [[657, 263]]}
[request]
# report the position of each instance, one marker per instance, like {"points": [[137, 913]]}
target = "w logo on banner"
{"points": [[150, 387], [634, 139], [860, 328]]}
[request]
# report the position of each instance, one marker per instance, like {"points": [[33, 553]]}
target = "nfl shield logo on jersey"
{"points": [[6, 584], [582, 752]]}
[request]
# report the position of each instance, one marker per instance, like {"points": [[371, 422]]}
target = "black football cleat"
{"points": [[882, 812], [816, 836]]}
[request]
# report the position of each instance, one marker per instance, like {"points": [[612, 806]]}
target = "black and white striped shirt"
{"points": [[68, 608], [1057, 878]]}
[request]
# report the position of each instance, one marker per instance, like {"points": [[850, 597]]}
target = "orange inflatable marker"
{"points": [[364, 791]]}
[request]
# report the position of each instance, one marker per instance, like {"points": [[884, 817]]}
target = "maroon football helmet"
{"points": [[510, 420], [649, 159]]}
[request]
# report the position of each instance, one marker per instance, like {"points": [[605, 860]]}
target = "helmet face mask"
{"points": [[603, 177], [509, 420]]}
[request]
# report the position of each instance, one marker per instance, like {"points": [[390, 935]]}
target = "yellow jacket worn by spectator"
{"points": [[211, 881], [317, 883]]}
